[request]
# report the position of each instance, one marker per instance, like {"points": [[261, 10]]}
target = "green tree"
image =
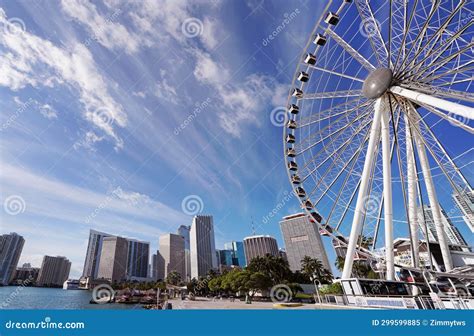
{"points": [[173, 278], [276, 267], [250, 283], [313, 268]]}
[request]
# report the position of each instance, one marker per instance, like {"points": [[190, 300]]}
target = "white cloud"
{"points": [[31, 60], [48, 112], [104, 29]]}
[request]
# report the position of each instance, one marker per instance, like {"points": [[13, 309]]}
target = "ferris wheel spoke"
{"points": [[414, 43], [463, 68], [436, 36], [456, 82], [339, 156], [450, 160], [439, 51], [334, 94], [417, 42], [437, 61], [375, 39], [343, 187], [341, 123], [337, 152], [401, 50], [311, 137], [332, 72], [335, 111], [433, 67], [351, 51]]}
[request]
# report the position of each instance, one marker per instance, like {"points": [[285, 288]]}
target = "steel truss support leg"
{"points": [[387, 188], [412, 182], [361, 197], [432, 197]]}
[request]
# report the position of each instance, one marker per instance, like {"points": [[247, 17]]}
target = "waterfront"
{"points": [[17, 297]]}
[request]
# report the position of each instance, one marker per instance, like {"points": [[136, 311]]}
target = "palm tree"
{"points": [[315, 270], [339, 263]]}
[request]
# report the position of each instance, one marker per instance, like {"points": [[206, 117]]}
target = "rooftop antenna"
{"points": [[253, 227]]}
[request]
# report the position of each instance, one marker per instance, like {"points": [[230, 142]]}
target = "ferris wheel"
{"points": [[378, 85]]}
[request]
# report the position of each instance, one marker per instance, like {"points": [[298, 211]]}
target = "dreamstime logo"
{"points": [[192, 27], [103, 116], [192, 205], [199, 107], [14, 26], [369, 27], [287, 18], [14, 205], [457, 120], [286, 197], [103, 293], [278, 116], [371, 205], [281, 293]]}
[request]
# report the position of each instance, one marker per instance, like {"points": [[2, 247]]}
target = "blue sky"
{"points": [[115, 112]]}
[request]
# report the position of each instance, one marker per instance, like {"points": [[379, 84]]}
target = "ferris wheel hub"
{"points": [[377, 83]]}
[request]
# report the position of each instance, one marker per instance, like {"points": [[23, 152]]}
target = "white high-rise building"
{"points": [[11, 246], [202, 245], [465, 202], [453, 236]]}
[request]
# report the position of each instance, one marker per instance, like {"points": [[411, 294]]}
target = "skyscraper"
{"points": [[302, 238], [259, 246], [172, 250], [158, 266], [113, 259], [184, 231], [137, 258], [11, 246], [453, 235], [238, 253], [202, 244], [94, 248], [465, 202], [54, 271]]}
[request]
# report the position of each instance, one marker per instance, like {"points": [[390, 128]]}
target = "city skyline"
{"points": [[125, 149]]}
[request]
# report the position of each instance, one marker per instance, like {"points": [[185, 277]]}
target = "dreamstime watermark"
{"points": [[16, 292], [94, 37], [278, 116], [192, 27], [103, 116], [371, 205], [14, 26], [46, 324], [369, 27], [102, 205], [19, 111], [287, 18], [14, 205], [103, 294], [457, 120], [281, 293], [192, 205], [287, 196], [199, 107]]}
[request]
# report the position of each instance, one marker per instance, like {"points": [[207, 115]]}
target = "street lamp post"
{"points": [[316, 287]]}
